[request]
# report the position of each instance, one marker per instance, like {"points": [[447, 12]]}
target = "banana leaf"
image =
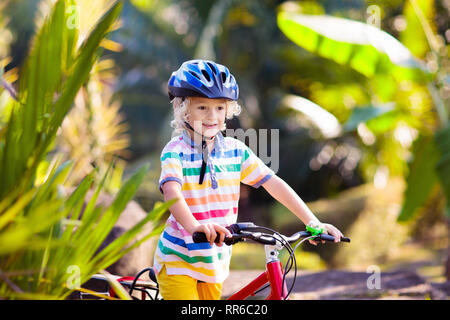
{"points": [[421, 178], [414, 36], [366, 114], [442, 139], [317, 116], [360, 46]]}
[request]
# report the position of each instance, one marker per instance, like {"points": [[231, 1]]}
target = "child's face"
{"points": [[207, 116]]}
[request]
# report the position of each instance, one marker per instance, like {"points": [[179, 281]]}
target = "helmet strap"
{"points": [[204, 152]]}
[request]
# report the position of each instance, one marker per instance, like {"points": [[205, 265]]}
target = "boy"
{"points": [[204, 169]]}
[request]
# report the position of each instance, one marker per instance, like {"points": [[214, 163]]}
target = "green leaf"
{"points": [[421, 178], [388, 121], [414, 36], [442, 139], [365, 114], [91, 213], [114, 248], [56, 177], [41, 79], [23, 233], [9, 215], [70, 37], [75, 204], [360, 46], [93, 240], [10, 161], [46, 253], [114, 256], [32, 236], [82, 66]]}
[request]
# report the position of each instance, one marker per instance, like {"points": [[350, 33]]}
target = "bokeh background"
{"points": [[359, 91]]}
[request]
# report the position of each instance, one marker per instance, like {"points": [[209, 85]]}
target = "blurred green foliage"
{"points": [[51, 241]]}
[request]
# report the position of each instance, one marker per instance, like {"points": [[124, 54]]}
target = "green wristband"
{"points": [[315, 228]]}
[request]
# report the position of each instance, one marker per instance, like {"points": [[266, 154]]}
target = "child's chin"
{"points": [[210, 132]]}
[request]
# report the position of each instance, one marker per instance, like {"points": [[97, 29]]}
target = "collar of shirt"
{"points": [[219, 142]]}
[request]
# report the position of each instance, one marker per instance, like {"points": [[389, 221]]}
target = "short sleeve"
{"points": [[253, 170], [171, 168]]}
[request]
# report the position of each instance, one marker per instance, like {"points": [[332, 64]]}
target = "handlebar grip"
{"points": [[328, 237], [199, 237]]}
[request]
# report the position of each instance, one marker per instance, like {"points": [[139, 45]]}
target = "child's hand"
{"points": [[211, 230], [331, 230]]}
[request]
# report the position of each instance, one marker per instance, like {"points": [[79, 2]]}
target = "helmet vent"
{"points": [[206, 75], [212, 67], [194, 74]]}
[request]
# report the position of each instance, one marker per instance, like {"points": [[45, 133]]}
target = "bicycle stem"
{"points": [[271, 253]]}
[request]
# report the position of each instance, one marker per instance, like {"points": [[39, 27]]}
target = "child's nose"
{"points": [[212, 112]]}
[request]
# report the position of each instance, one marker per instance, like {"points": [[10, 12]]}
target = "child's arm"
{"points": [[282, 192], [183, 215]]}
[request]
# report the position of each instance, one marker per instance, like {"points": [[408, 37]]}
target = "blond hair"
{"points": [[181, 113]]}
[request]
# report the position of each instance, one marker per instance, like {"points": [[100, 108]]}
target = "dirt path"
{"points": [[350, 285]]}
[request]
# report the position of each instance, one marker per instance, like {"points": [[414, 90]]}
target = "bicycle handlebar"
{"points": [[247, 230]]}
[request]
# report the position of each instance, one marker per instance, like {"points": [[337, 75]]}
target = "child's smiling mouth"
{"points": [[209, 126]]}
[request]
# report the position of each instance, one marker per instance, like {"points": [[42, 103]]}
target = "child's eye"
{"points": [[201, 108], [220, 107]]}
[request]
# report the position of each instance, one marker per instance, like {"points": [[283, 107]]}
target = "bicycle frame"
{"points": [[273, 275]]}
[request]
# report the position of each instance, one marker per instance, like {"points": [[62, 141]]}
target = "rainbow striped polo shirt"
{"points": [[215, 201]]}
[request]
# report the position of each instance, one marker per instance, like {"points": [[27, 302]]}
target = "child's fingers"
{"points": [[221, 238], [223, 230], [206, 231], [213, 236], [332, 230], [212, 230], [335, 233]]}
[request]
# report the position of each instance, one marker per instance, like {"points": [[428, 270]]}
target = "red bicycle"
{"points": [[273, 242], [274, 276]]}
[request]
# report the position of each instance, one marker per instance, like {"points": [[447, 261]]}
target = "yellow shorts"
{"points": [[180, 287]]}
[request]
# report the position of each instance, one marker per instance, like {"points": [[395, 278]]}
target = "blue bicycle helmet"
{"points": [[203, 78]]}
